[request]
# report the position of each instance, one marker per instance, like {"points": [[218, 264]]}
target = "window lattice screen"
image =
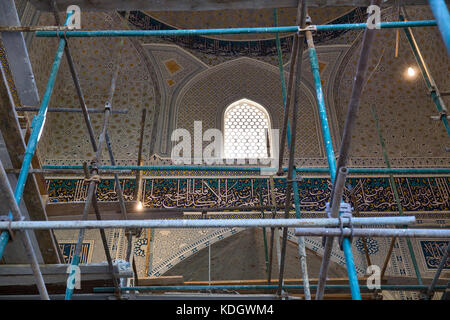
{"points": [[246, 128]]}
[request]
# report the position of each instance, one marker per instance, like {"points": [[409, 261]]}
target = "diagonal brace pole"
{"points": [[17, 215], [94, 170], [358, 83], [37, 128]]}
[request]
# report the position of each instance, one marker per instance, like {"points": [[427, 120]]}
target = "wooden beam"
{"points": [[202, 5], [10, 129], [87, 286], [24, 269], [11, 275], [274, 281], [396, 280], [19, 279], [161, 281]]}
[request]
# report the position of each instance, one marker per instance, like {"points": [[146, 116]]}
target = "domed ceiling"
{"points": [[243, 18]]}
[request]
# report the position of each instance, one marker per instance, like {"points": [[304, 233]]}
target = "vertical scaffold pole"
{"points": [[274, 235], [440, 12], [36, 129], [266, 252], [274, 231], [300, 240], [358, 83], [326, 137], [399, 205], [120, 197], [431, 288], [103, 236], [294, 82]]}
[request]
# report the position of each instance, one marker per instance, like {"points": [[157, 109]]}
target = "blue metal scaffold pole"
{"points": [[36, 129]]}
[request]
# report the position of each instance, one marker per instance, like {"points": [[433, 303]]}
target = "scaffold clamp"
{"points": [[346, 212], [95, 178], [341, 227], [442, 115], [10, 231], [297, 179]]}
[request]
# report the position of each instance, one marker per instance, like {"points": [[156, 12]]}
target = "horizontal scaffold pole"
{"points": [[298, 170], [79, 172], [70, 110], [204, 32], [402, 233], [32, 28], [263, 287], [203, 223]]}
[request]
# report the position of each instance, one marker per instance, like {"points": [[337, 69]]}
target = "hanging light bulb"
{"points": [[411, 72], [139, 206]]}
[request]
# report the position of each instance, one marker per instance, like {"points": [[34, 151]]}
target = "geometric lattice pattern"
{"points": [[246, 125]]}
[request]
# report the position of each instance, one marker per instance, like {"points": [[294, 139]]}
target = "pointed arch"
{"points": [[247, 131]]}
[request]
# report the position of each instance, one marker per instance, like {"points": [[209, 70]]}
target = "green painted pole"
{"points": [[263, 287], [266, 252], [397, 198], [204, 32], [323, 113], [301, 240], [346, 245]]}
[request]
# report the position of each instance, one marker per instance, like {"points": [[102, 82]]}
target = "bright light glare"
{"points": [[139, 206], [411, 72]]}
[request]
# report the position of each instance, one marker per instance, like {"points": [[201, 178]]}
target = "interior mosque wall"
{"points": [[178, 84]]}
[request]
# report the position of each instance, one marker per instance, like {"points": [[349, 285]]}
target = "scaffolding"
{"points": [[339, 223]]}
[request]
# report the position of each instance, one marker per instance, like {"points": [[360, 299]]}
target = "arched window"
{"points": [[246, 131]]}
